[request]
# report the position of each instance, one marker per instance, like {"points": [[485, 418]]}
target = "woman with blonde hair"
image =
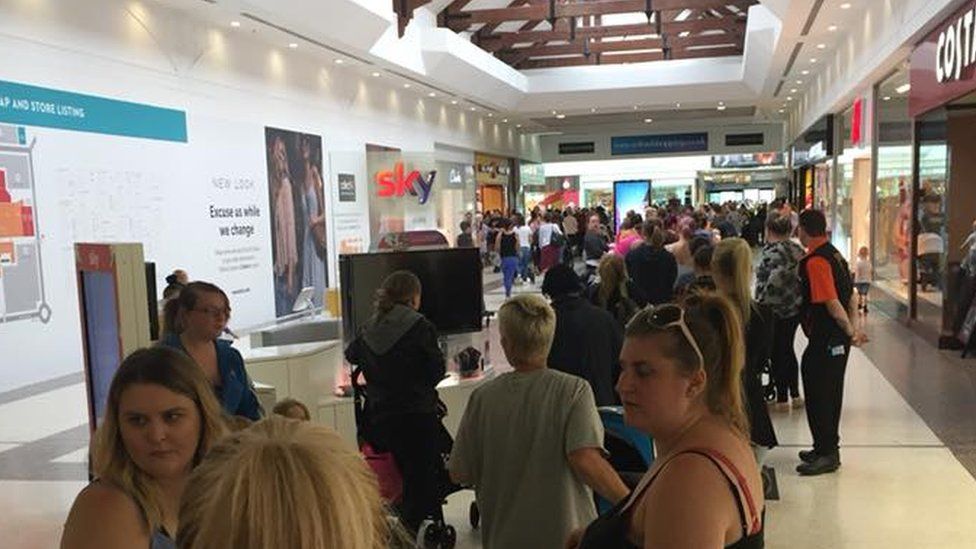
{"points": [[283, 483], [681, 383], [615, 291], [732, 273], [160, 419]]}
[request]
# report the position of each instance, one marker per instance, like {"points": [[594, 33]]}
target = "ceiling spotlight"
{"points": [[491, 115], [454, 101], [235, 24], [431, 94], [648, 120], [821, 46], [904, 88], [518, 125], [339, 61], [293, 45], [789, 98], [832, 28], [721, 107], [792, 90], [560, 116], [504, 121], [799, 81], [376, 75], [406, 86], [781, 111], [677, 105], [813, 59], [472, 109], [804, 72], [635, 107], [593, 109], [845, 6], [887, 98]]}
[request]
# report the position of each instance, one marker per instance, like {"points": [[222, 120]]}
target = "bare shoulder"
{"points": [[104, 516]]}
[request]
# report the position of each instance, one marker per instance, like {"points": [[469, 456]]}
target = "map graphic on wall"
{"points": [[297, 195], [21, 279]]}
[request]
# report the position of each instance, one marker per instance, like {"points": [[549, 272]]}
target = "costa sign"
{"points": [[955, 49], [394, 183]]}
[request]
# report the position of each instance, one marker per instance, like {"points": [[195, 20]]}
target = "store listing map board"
{"points": [[191, 187]]}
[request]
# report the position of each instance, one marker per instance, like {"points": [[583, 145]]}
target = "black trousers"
{"points": [[415, 441], [786, 373], [824, 367]]}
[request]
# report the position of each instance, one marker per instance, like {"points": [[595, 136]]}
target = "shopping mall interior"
{"points": [[295, 154]]}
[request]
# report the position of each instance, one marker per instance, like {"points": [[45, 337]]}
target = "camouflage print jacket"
{"points": [[777, 280]]}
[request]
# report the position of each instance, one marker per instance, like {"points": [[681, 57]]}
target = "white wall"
{"points": [[231, 86], [872, 47]]}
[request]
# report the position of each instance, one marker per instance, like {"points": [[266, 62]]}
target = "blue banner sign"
{"points": [[47, 108], [659, 144]]}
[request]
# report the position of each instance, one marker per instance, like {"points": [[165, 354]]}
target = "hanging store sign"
{"points": [[943, 65]]}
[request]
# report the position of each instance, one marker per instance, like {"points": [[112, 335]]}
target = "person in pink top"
{"points": [[627, 237]]}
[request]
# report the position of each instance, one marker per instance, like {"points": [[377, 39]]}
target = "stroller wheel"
{"points": [[449, 538], [474, 514], [436, 535]]}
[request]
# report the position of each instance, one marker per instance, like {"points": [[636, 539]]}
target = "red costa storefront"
{"points": [[942, 104]]}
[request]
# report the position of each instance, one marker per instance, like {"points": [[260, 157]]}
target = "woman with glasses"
{"points": [[681, 383], [193, 322]]}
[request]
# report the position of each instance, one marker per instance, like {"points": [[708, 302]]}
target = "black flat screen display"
{"points": [[453, 291]]}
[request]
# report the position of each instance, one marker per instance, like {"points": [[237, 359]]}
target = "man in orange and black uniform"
{"points": [[828, 321]]}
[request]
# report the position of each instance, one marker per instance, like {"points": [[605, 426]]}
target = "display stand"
{"points": [[112, 302]]}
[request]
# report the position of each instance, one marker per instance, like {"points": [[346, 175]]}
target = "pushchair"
{"points": [[930, 249], [631, 451], [433, 532]]}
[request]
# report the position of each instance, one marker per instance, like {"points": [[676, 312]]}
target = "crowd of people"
{"points": [[660, 317]]}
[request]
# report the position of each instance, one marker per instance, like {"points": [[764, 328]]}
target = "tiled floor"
{"points": [[908, 436]]}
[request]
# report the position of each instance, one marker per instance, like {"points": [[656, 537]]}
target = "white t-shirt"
{"points": [[512, 445], [525, 236], [545, 234], [862, 271]]}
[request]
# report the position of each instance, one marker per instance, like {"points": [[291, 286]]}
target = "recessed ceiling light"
{"points": [[339, 61], [491, 115], [789, 98], [293, 45], [635, 107], [504, 121], [376, 75], [677, 105], [832, 28], [406, 86], [813, 59], [454, 101], [821, 46], [792, 90], [235, 24], [887, 98], [648, 120], [781, 111], [845, 6], [431, 94], [721, 107], [799, 81], [560, 116], [904, 88], [804, 72], [593, 109], [472, 109], [518, 125]]}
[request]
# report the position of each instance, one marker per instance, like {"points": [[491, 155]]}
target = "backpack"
{"points": [[782, 294]]}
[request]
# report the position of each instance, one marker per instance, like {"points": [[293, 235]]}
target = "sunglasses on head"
{"points": [[670, 315]]}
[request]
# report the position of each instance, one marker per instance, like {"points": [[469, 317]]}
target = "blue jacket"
{"points": [[236, 393]]}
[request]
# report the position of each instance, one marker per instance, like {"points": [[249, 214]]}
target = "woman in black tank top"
{"points": [[507, 247], [681, 383]]}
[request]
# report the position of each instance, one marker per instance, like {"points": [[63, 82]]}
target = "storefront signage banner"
{"points": [[492, 170], [943, 66], [398, 182], [532, 174], [48, 108], [659, 144]]}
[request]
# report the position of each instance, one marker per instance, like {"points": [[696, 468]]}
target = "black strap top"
{"points": [[610, 531], [509, 245]]}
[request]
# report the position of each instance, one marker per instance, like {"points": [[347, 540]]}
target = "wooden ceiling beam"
{"points": [[404, 11], [542, 12], [621, 46], [642, 57], [498, 41]]}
